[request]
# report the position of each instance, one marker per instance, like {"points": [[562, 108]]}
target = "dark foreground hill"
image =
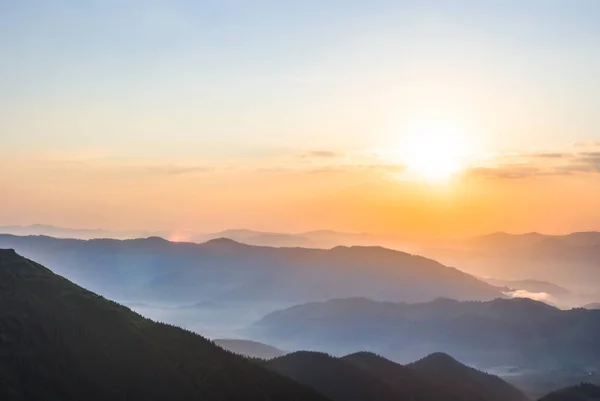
{"points": [[332, 377], [456, 378], [583, 392], [364, 376], [514, 333], [61, 342]]}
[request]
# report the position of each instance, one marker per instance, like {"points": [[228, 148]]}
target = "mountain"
{"points": [[456, 378], [364, 376], [568, 260], [332, 377], [406, 382], [412, 384], [79, 233], [593, 305], [250, 349], [256, 279], [59, 341], [583, 392], [533, 286], [519, 333]]}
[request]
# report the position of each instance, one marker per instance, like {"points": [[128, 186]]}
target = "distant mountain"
{"points": [[446, 372], [521, 333], [154, 270], [594, 305], [567, 260], [250, 349], [61, 342], [77, 233], [583, 392], [534, 286], [365, 376]]}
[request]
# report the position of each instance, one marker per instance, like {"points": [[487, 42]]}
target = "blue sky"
{"points": [[82, 75]]}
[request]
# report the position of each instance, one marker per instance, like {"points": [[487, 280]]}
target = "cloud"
{"points": [[375, 168], [537, 296], [327, 154], [550, 155], [178, 170], [524, 165], [505, 172]]}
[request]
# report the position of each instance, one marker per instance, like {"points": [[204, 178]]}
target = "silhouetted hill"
{"points": [[364, 376], [583, 392], [61, 342], [457, 378], [250, 349], [408, 383], [332, 377], [594, 305], [503, 332], [156, 271]]}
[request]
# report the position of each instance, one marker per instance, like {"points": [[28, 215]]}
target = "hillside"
{"points": [[332, 377], [456, 378], [61, 342], [583, 392], [518, 333]]}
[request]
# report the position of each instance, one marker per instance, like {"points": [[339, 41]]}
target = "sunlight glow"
{"points": [[433, 151]]}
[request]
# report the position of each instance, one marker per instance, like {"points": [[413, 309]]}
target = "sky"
{"points": [[423, 118]]}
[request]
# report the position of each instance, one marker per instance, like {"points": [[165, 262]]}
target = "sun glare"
{"points": [[434, 152]]}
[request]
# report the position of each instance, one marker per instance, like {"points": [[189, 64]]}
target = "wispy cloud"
{"points": [[325, 154], [523, 165], [178, 170]]}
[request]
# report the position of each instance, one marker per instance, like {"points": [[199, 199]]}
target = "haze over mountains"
{"points": [[519, 333], [515, 261], [569, 261], [223, 276], [308, 239]]}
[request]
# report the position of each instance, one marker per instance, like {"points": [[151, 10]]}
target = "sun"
{"points": [[433, 151]]}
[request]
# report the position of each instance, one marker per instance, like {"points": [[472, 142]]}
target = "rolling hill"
{"points": [[456, 378], [332, 377], [59, 341], [364, 376]]}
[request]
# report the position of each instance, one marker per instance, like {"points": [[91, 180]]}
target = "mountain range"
{"points": [[518, 333], [59, 341], [244, 281], [569, 260]]}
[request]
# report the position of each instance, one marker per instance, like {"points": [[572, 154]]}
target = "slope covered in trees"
{"points": [[61, 342]]}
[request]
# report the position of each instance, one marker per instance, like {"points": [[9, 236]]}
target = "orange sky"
{"points": [[304, 191]]}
